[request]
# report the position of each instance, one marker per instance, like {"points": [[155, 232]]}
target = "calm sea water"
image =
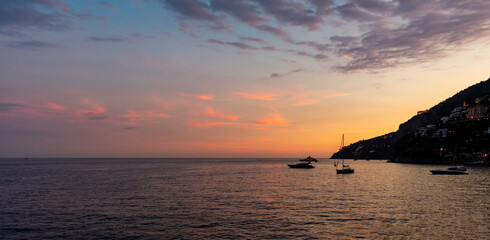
{"points": [[238, 199]]}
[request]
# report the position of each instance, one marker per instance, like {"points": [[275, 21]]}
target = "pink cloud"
{"points": [[265, 97], [94, 107], [55, 107], [273, 120], [207, 124], [13, 108], [208, 97], [135, 116], [92, 111], [210, 112]]}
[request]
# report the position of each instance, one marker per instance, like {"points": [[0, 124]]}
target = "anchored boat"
{"points": [[345, 168]]}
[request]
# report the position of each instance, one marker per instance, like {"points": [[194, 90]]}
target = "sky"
{"points": [[227, 78]]}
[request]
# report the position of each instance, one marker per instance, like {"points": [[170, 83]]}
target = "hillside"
{"points": [[445, 130]]}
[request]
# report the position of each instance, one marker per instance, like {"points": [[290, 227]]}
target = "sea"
{"points": [[238, 199]]}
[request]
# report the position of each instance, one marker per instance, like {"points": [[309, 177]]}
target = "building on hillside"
{"points": [[458, 112], [444, 119], [422, 112], [440, 133], [477, 112]]}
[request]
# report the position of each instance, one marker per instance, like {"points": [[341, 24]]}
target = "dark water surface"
{"points": [[238, 199]]}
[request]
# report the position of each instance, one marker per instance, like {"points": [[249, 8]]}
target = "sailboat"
{"points": [[345, 168]]}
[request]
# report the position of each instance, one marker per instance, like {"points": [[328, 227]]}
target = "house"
{"points": [[440, 133], [476, 112], [457, 112]]}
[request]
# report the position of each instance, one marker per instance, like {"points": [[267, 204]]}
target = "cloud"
{"points": [[118, 39], [252, 39], [244, 11], [351, 11], [208, 97], [193, 9], [95, 116], [292, 13], [265, 97], [30, 45], [273, 120], [378, 6], [239, 45], [93, 111], [379, 33], [323, 7], [426, 38], [210, 112], [187, 28], [275, 75], [321, 57], [109, 39], [197, 10], [429, 30], [46, 15], [8, 106], [278, 75], [207, 124], [108, 5], [275, 31], [30, 109], [132, 117], [54, 107]]}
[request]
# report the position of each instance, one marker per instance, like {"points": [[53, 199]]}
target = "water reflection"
{"points": [[230, 199]]}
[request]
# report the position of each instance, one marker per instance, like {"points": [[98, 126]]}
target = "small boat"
{"points": [[456, 170], [309, 159], [345, 168], [305, 163], [301, 165]]}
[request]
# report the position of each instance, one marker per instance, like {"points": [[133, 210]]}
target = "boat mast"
{"points": [[336, 162], [341, 147]]}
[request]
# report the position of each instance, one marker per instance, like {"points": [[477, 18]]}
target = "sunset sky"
{"points": [[227, 78]]}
